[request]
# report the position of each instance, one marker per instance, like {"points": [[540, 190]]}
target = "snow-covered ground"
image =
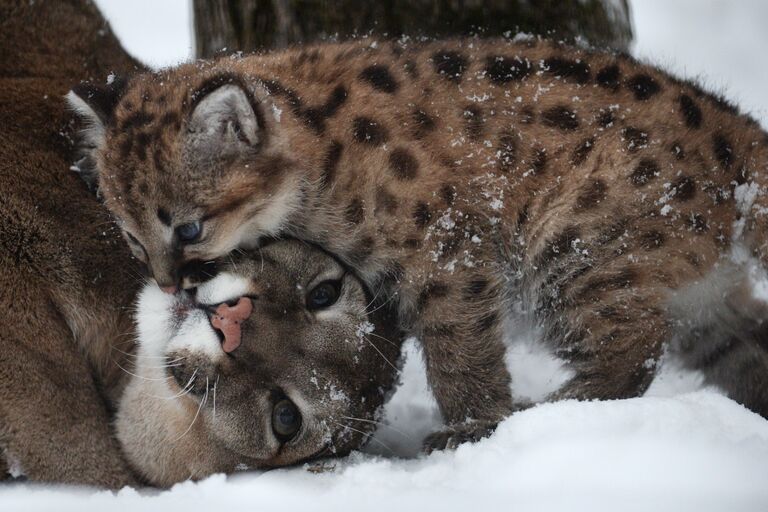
{"points": [[679, 448]]}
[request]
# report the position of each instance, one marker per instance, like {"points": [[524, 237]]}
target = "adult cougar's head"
{"points": [[281, 358]]}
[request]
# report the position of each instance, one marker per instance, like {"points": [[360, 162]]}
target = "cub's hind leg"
{"points": [[53, 421], [610, 328]]}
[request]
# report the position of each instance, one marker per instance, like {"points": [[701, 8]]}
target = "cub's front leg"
{"points": [[459, 323]]}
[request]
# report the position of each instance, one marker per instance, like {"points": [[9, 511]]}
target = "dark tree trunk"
{"points": [[248, 25]]}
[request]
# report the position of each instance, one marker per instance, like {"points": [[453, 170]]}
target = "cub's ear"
{"points": [[224, 120], [95, 105]]}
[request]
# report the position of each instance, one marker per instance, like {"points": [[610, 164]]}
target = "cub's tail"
{"points": [[721, 329]]}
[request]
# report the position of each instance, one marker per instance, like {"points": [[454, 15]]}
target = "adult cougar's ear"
{"points": [[224, 119], [95, 105]]}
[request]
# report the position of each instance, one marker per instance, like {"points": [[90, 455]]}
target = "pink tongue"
{"points": [[227, 319]]}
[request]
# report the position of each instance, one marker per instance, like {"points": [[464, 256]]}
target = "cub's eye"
{"points": [[323, 295], [286, 420], [189, 232]]}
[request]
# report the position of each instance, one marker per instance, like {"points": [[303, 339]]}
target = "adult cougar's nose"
{"points": [[227, 319]]}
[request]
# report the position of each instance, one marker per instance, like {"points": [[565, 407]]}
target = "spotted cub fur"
{"points": [[478, 184]]}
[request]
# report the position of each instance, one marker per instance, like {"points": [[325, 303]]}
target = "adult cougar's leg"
{"points": [[52, 419]]}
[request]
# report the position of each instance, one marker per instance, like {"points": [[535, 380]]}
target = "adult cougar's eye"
{"points": [[189, 232], [323, 295], [286, 419]]}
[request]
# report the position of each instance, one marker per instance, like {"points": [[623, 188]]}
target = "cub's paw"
{"points": [[451, 437]]}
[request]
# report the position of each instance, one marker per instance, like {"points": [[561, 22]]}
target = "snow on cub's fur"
{"points": [[304, 378], [467, 181]]}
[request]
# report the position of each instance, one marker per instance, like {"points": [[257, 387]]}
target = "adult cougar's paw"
{"points": [[451, 437]]}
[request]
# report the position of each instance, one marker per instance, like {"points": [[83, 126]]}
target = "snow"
{"points": [[681, 447], [697, 451]]}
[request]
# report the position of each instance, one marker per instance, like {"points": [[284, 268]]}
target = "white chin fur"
{"points": [[160, 334]]}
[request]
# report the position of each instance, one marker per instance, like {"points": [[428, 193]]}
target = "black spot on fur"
{"points": [[157, 159], [643, 86], [136, 120], [685, 188], [164, 216], [741, 176], [591, 195], [367, 131], [611, 231], [475, 289], [362, 250], [385, 201], [332, 157], [380, 78], [582, 151], [423, 124], [560, 245], [412, 243], [645, 171], [448, 194], [507, 152], [433, 290], [170, 119], [125, 147], [486, 322], [502, 70], [636, 139], [473, 117], [410, 67], [698, 223], [609, 76], [142, 141], [677, 151], [450, 65], [403, 164], [605, 118], [691, 111], [527, 115], [560, 117], [652, 239], [354, 212], [539, 162], [615, 281], [568, 69], [723, 150], [421, 214], [314, 116]]}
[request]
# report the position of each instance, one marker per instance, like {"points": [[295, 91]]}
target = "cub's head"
{"points": [[279, 359], [189, 163]]}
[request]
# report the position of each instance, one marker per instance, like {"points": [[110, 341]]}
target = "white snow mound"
{"points": [[699, 451]]}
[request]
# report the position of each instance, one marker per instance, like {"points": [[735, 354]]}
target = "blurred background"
{"points": [[721, 43]]}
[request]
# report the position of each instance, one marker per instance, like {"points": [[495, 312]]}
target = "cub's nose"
{"points": [[227, 319]]}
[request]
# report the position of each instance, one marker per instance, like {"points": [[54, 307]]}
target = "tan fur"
{"points": [[461, 178], [65, 278]]}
